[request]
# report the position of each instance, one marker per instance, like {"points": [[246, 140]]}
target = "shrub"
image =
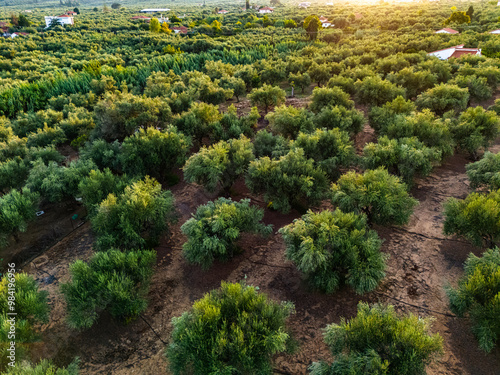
{"points": [[17, 208], [330, 150], [478, 296], [103, 154], [301, 81], [200, 121], [216, 226], [333, 248], [44, 367], [257, 331], [415, 82], [485, 172], [114, 281], [329, 97], [153, 152], [13, 173], [31, 308], [443, 98], [374, 91], [290, 180], [381, 117], [267, 96], [267, 144], [345, 83], [45, 137], [349, 120], [478, 86], [220, 164], [405, 157], [134, 219], [378, 194], [475, 129], [289, 121], [231, 126], [378, 341], [477, 218]]}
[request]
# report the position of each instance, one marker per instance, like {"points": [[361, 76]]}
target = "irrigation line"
{"points": [[416, 306]]}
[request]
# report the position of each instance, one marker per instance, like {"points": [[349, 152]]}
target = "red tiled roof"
{"points": [[181, 29], [266, 8], [64, 15], [140, 18], [4, 24], [464, 51]]}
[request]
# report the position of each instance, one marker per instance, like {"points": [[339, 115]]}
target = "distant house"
{"points": [[16, 34], [324, 22], [222, 11], [329, 4], [447, 30], [63, 19], [180, 29], [455, 52], [154, 10], [141, 18], [71, 13], [498, 4], [4, 24], [304, 5], [358, 16], [497, 31], [266, 10]]}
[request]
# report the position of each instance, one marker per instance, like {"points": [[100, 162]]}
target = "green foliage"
{"points": [[330, 150], [312, 25], [415, 82], [103, 154], [375, 91], [477, 86], [335, 248], [329, 97], [267, 144], [31, 308], [485, 172], [477, 218], [405, 157], [380, 341], [381, 117], [134, 219], [443, 98], [345, 83], [319, 73], [220, 164], [290, 180], [378, 194], [232, 126], [13, 173], [154, 152], [17, 208], [154, 25], [45, 137], [200, 121], [289, 121], [301, 81], [115, 281], [476, 129], [245, 326], [478, 297], [213, 231], [457, 17], [44, 367], [267, 96], [349, 120]]}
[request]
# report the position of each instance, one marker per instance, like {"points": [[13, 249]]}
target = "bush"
{"points": [[443, 98], [31, 307], [485, 172], [17, 208], [103, 154], [200, 121], [267, 96], [114, 281], [378, 341], [153, 152], [330, 150], [216, 226], [231, 126], [378, 194], [301, 81], [477, 218], [478, 295], [329, 97], [246, 345], [475, 129], [333, 248], [289, 121], [345, 83], [478, 86], [45, 137], [382, 117], [44, 367], [134, 219], [220, 164], [374, 91], [405, 157], [349, 120], [290, 180], [267, 144]]}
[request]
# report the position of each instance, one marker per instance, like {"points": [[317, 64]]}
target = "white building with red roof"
{"points": [[497, 31], [266, 10], [223, 11], [63, 19], [447, 30], [455, 52]]}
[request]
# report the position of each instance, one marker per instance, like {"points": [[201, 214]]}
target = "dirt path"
{"points": [[422, 261]]}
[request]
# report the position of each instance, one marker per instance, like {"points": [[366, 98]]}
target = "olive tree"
{"points": [[443, 98], [267, 96], [380, 195], [378, 341], [245, 346], [220, 164], [485, 172], [335, 248], [289, 121], [329, 97], [375, 91], [17, 209], [213, 231], [477, 297]]}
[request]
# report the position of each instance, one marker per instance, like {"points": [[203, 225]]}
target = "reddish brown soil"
{"points": [[422, 261]]}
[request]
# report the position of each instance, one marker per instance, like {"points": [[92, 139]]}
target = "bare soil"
{"points": [[422, 262]]}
